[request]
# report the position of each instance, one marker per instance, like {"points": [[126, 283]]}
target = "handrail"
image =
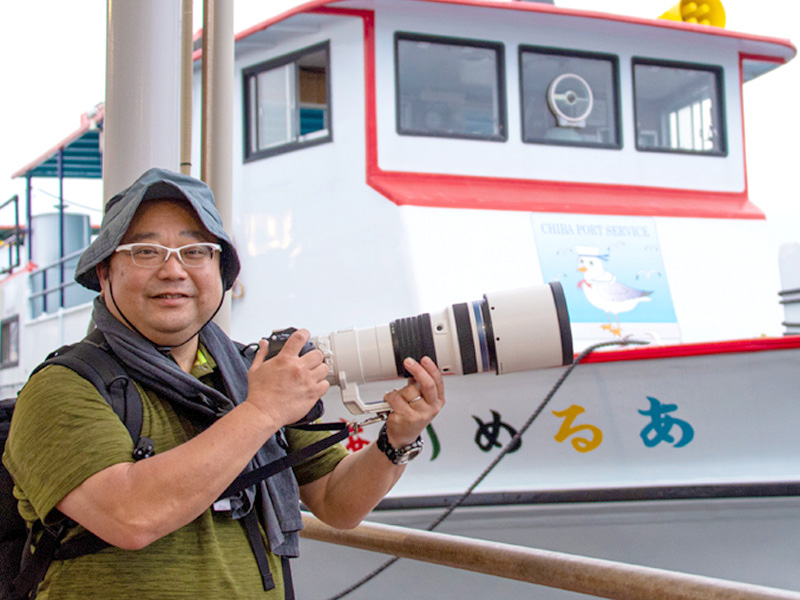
{"points": [[50, 290], [13, 263], [60, 285], [585, 575], [40, 300], [64, 259]]}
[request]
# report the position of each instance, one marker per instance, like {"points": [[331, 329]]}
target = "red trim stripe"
{"points": [[494, 193], [703, 349], [544, 8]]}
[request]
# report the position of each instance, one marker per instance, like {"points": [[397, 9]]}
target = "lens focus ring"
{"points": [[412, 336]]}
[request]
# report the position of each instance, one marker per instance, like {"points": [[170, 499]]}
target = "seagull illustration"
{"points": [[602, 288]]}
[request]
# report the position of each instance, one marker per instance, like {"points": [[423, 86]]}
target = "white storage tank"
{"points": [[46, 234]]}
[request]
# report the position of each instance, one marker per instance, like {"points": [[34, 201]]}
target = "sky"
{"points": [[53, 70]]}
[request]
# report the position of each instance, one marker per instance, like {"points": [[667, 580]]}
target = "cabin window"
{"points": [[450, 88], [569, 98], [679, 108], [9, 342], [287, 103]]}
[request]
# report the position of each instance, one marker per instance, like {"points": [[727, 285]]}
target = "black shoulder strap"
{"points": [[93, 359], [35, 564], [248, 478]]}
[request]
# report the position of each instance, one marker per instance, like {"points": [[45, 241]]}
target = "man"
{"points": [[162, 263]]}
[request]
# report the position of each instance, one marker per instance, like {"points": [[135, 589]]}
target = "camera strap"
{"points": [[245, 480]]}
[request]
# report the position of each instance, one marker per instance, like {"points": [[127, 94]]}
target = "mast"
{"points": [[142, 109], [217, 117]]}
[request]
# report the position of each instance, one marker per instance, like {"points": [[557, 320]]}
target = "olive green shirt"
{"points": [[63, 432]]}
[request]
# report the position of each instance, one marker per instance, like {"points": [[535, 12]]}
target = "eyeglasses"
{"points": [[151, 256]]}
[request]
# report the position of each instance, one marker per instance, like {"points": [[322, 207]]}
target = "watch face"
{"points": [[405, 455]]}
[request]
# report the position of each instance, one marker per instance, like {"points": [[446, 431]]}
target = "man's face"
{"points": [[170, 303]]}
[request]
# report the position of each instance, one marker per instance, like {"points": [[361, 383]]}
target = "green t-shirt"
{"points": [[63, 432]]}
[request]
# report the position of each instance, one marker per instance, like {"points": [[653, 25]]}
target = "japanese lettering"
{"points": [[581, 444], [488, 433], [661, 425]]}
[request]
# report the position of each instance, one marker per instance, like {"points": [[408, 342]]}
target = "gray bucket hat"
{"points": [[155, 184]]}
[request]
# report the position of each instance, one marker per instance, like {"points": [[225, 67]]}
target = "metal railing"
{"points": [[790, 299], [53, 287], [14, 240], [584, 575]]}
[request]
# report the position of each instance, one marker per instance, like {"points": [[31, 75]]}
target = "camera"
{"points": [[504, 332], [277, 339]]}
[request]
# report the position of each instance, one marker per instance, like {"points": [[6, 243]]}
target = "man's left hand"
{"points": [[415, 405]]}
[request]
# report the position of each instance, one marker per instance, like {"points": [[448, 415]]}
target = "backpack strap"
{"points": [[93, 360], [35, 564], [254, 537]]}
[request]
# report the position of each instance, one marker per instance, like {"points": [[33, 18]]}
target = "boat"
{"points": [[394, 157]]}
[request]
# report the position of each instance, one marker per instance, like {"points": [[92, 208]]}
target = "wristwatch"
{"points": [[402, 455]]}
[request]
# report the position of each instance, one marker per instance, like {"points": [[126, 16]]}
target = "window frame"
{"points": [[252, 71], [5, 346], [615, 88], [500, 74], [719, 78]]}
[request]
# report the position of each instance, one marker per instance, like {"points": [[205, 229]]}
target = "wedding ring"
{"points": [[414, 399]]}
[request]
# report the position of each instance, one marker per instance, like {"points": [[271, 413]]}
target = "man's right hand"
{"points": [[286, 387]]}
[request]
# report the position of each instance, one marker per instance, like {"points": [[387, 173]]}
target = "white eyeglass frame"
{"points": [[129, 248]]}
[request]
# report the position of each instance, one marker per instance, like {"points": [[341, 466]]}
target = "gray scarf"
{"points": [[156, 370]]}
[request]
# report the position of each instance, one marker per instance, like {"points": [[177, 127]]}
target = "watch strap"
{"points": [[398, 456]]}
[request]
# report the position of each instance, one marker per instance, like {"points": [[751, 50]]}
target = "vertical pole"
{"points": [[186, 87], [17, 235], [61, 226], [217, 117], [29, 230], [142, 108], [28, 218]]}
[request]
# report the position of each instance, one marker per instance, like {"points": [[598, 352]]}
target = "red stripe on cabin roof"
{"points": [[589, 14], [531, 7]]}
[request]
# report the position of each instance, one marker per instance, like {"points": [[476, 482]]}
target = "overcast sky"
{"points": [[53, 69]]}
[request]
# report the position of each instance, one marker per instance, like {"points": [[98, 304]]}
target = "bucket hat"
{"points": [[155, 184]]}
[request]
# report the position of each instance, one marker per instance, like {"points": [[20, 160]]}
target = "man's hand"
{"points": [[415, 405], [288, 385], [348, 493]]}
